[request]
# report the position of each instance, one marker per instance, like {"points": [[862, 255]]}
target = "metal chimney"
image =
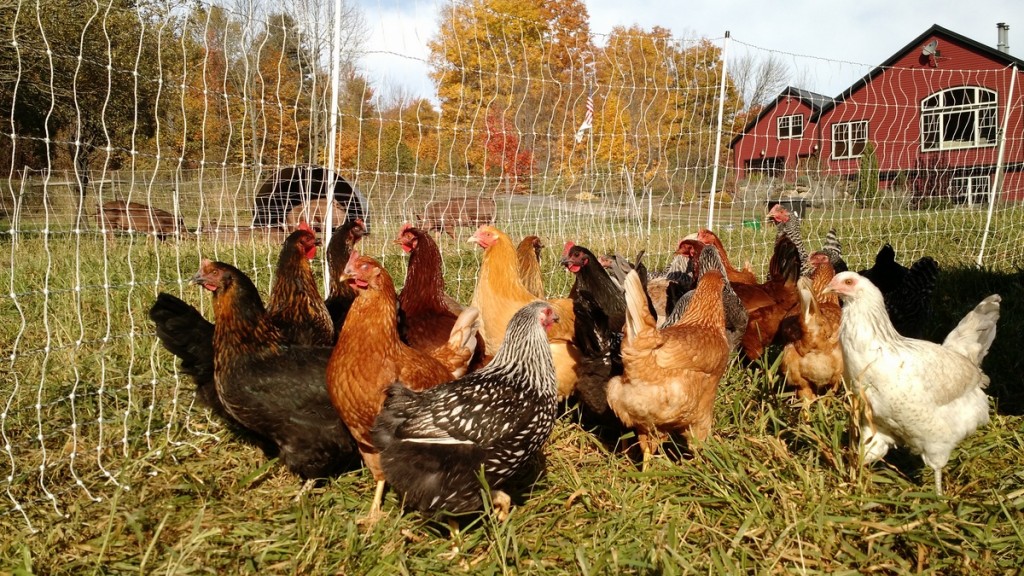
{"points": [[1003, 30]]}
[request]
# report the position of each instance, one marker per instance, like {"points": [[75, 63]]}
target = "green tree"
{"points": [[80, 81]]}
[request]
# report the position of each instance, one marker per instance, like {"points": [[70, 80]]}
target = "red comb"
{"points": [[303, 225], [568, 246]]}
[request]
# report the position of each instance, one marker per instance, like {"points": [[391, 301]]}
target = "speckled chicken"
{"points": [[671, 376], [433, 444], [275, 390], [925, 396]]}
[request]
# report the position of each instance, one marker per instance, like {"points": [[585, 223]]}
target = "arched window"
{"points": [[963, 117]]}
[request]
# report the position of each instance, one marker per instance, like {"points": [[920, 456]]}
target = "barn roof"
{"points": [[934, 30], [813, 100]]}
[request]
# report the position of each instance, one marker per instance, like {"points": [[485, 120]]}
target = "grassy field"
{"points": [[109, 469]]}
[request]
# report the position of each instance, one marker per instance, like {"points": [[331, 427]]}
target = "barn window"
{"points": [[790, 126], [972, 190], [849, 138], [963, 117]]}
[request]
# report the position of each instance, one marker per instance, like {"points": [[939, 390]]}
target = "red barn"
{"points": [[934, 112]]}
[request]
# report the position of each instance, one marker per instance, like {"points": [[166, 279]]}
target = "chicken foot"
{"points": [[502, 504]]}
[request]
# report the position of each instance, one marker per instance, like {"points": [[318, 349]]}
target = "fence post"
{"points": [[332, 137], [997, 180], [718, 136]]}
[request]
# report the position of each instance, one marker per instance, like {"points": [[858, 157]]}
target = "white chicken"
{"points": [[919, 394]]}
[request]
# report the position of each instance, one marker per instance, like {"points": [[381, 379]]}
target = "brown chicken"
{"points": [[369, 357], [812, 359], [295, 304], [529, 265], [769, 303], [745, 276], [499, 294], [428, 314], [671, 376]]}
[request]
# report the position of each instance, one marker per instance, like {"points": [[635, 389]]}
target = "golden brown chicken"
{"points": [[529, 265], [499, 294], [812, 359], [671, 376], [369, 357]]}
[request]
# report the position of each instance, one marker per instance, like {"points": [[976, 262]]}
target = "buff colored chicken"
{"points": [[671, 376], [812, 359], [500, 293], [925, 396], [529, 265]]}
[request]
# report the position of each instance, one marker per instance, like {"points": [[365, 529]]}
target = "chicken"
{"points": [[295, 305], [706, 258], [275, 390], [428, 313], [433, 444], [617, 267], [788, 224], [671, 376], [600, 310], [745, 276], [833, 248], [528, 253], [769, 303], [907, 291], [369, 356], [499, 294], [340, 295], [812, 359], [184, 332], [925, 396]]}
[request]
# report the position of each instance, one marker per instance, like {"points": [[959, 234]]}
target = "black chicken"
{"points": [[907, 291], [185, 333], [275, 390], [600, 310], [433, 444], [340, 295]]}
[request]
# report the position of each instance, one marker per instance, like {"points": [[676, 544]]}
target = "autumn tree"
{"points": [[519, 59]]}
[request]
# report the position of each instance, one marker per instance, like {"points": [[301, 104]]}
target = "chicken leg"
{"points": [[502, 504]]}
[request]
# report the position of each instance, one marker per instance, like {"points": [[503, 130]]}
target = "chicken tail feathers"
{"points": [[834, 249], [974, 335], [786, 263], [465, 329], [185, 333], [638, 315]]}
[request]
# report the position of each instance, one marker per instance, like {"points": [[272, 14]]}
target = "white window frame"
{"points": [[976, 106], [790, 124], [857, 127], [972, 189]]}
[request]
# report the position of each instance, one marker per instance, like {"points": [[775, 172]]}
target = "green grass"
{"points": [[775, 488]]}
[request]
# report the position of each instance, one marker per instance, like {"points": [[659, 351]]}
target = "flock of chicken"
{"points": [[429, 394]]}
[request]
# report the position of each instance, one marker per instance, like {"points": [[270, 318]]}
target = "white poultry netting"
{"points": [[190, 108]]}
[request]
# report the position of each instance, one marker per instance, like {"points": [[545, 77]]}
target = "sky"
{"points": [[831, 44]]}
